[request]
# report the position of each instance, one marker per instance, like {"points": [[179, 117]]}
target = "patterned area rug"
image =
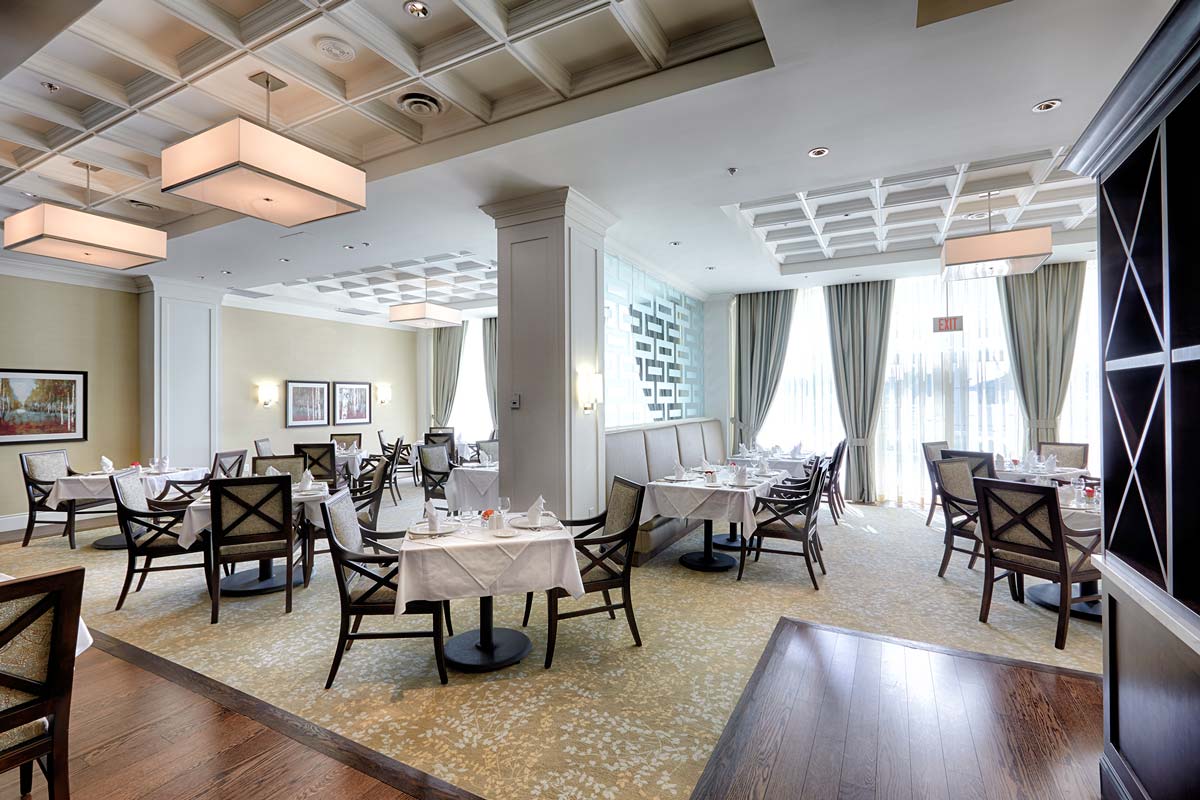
{"points": [[610, 720]]}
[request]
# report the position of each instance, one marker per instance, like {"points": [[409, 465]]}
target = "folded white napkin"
{"points": [[776, 450], [763, 466], [431, 517], [484, 458], [740, 477], [272, 472], [106, 464], [1051, 462], [679, 471], [743, 450], [797, 450], [704, 464], [306, 480], [534, 514]]}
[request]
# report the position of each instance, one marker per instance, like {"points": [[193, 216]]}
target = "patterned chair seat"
{"points": [[277, 548]]}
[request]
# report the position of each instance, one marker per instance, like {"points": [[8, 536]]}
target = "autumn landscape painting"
{"points": [[42, 406]]}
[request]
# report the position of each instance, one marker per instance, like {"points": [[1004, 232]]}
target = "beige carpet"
{"points": [[609, 720]]}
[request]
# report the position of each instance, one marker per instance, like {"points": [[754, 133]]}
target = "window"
{"points": [[1080, 419], [470, 417]]}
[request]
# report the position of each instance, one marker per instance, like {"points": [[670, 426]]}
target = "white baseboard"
{"points": [[16, 522]]}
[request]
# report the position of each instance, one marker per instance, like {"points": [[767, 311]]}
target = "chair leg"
{"points": [[742, 557], [808, 563], [949, 539], [932, 509], [29, 529], [392, 490], [1012, 587], [758, 552], [216, 596], [815, 544], [130, 569], [1064, 615], [612, 614], [1020, 588], [528, 608], [145, 572], [551, 626], [208, 572], [26, 778], [628, 602], [342, 646], [989, 580], [446, 614], [70, 531], [439, 645], [354, 629], [288, 580], [58, 779], [975, 554]]}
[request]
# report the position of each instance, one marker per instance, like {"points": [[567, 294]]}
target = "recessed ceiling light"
{"points": [[1047, 105], [201, 277], [711, 269], [50, 87], [347, 247], [226, 272], [731, 170], [285, 260], [30, 195], [674, 244], [141, 204], [818, 152], [365, 244], [978, 215], [417, 9]]}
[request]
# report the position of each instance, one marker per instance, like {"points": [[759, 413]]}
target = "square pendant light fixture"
{"points": [[994, 255], [73, 235], [254, 171], [425, 315]]}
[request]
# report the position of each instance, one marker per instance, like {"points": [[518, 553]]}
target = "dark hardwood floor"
{"points": [[135, 734], [830, 713]]}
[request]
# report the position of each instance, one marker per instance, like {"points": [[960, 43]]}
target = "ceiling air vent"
{"points": [[420, 105], [358, 312]]}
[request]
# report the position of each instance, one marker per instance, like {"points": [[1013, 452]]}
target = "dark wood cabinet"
{"points": [[1141, 150]]}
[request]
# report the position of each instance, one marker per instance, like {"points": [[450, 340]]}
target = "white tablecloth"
{"points": [[474, 563], [1029, 476], [198, 516], [473, 487], [83, 639], [1077, 515], [354, 459], [695, 500], [97, 487]]}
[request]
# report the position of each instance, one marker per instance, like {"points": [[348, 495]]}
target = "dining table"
{"points": [[1022, 474], [352, 460], [269, 577], [1082, 516], [723, 501], [468, 560], [95, 485], [473, 486]]}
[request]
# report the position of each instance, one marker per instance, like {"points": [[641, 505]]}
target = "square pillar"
{"points": [[551, 343]]}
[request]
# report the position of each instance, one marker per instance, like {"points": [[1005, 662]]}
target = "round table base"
{"points": [[114, 542], [1047, 596], [731, 542], [509, 647], [250, 582], [701, 562]]}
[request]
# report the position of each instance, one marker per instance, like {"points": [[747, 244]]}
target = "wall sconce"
{"points": [[590, 386], [384, 392], [268, 394]]}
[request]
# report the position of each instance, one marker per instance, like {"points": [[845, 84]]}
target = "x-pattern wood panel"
{"points": [[917, 210], [124, 126]]}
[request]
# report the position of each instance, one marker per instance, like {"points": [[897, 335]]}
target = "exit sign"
{"points": [[947, 324]]}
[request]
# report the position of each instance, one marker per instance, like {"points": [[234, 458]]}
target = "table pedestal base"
{"points": [[489, 648], [708, 561], [114, 542], [731, 542], [1047, 596], [268, 578]]}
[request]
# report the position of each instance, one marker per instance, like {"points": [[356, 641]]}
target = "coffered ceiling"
{"points": [[895, 213], [365, 79]]}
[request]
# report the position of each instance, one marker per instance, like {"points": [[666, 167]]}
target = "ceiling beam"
{"points": [[643, 30], [462, 94], [491, 15], [379, 36], [81, 80], [41, 107], [123, 45], [553, 75], [212, 19], [18, 134]]}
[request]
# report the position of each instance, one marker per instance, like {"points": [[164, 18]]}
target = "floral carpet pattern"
{"points": [[610, 720]]}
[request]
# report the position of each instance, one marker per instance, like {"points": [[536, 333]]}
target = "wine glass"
{"points": [[154, 463], [505, 505]]}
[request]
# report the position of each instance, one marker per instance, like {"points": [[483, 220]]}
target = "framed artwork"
{"points": [[351, 403], [46, 405], [307, 404]]}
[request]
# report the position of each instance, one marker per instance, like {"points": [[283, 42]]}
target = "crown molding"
{"points": [[561, 202], [76, 276]]}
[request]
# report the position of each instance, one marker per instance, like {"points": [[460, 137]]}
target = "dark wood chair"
{"points": [[39, 625], [262, 447], [322, 463], [39, 470], [367, 585], [252, 521], [368, 497], [605, 552], [436, 465], [345, 440], [833, 482], [789, 513], [151, 531], [983, 465], [443, 436], [1023, 533], [956, 484], [932, 451], [293, 465], [1067, 454], [226, 464]]}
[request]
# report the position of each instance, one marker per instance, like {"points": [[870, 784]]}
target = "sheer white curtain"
{"points": [[1080, 420], [805, 407], [471, 417]]}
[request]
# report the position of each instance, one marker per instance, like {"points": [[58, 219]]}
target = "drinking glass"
{"points": [[468, 514], [504, 504], [154, 463], [165, 463]]}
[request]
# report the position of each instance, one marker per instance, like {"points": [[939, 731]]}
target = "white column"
{"points": [[551, 329], [180, 359]]}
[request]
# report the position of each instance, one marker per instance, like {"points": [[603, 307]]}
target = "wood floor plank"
{"points": [[873, 717]]}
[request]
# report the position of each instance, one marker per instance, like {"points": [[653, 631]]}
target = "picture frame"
{"points": [[306, 404], [351, 403], [43, 405]]}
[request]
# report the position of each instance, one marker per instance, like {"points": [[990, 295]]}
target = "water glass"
{"points": [[504, 504], [154, 463]]}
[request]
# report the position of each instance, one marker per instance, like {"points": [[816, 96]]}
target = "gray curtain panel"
{"points": [[491, 349], [447, 355], [1041, 317], [764, 321], [860, 317]]}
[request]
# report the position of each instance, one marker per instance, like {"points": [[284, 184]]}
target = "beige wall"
{"points": [[46, 325], [258, 346]]}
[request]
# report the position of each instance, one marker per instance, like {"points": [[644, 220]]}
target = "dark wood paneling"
{"points": [[836, 713]]}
